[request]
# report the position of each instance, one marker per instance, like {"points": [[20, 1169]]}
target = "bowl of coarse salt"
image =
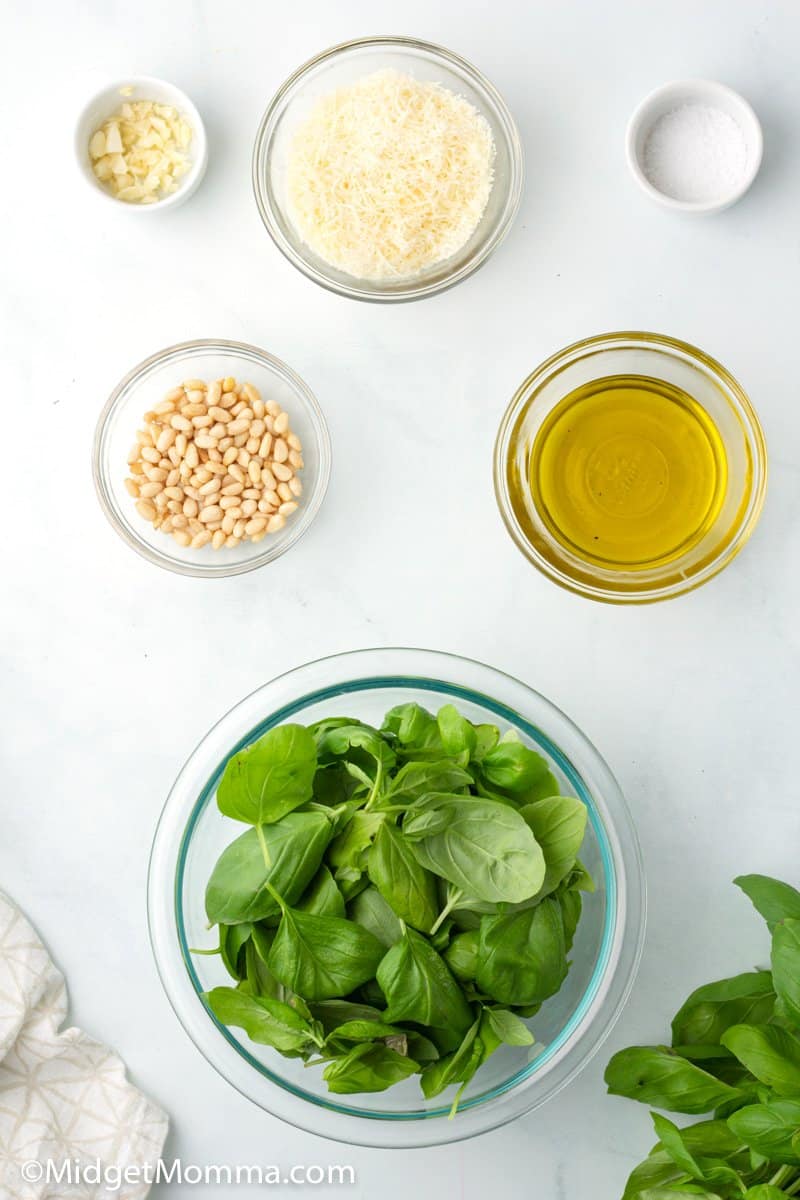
{"points": [[694, 145]]}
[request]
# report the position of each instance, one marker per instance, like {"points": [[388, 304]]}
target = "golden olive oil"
{"points": [[628, 471]]}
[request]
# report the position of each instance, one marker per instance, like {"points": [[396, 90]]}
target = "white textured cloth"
{"points": [[63, 1096]]}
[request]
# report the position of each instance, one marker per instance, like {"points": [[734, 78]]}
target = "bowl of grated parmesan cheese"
{"points": [[387, 169]]}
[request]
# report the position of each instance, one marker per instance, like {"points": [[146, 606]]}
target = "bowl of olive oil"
{"points": [[630, 467]]}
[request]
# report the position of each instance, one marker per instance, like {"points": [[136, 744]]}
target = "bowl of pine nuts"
{"points": [[211, 458]]}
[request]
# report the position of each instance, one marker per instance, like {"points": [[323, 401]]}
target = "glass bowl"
{"points": [[569, 1028], [658, 358], [143, 387], [342, 65]]}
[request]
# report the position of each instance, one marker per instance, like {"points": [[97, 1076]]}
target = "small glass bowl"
{"points": [[661, 358], [570, 1027], [342, 65], [143, 387]]}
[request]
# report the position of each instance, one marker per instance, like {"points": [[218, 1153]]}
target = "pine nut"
{"points": [[214, 464]]}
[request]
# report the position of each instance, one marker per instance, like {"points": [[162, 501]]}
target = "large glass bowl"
{"points": [[143, 387], [569, 1028], [342, 65], [682, 366]]}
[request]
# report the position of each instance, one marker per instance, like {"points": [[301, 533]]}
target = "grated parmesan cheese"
{"points": [[389, 175]]}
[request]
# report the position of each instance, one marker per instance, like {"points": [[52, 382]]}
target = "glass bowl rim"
{"points": [[621, 941], [754, 436], [243, 350], [363, 289]]}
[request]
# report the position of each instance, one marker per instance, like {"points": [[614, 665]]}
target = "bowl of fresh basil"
{"points": [[396, 898]]}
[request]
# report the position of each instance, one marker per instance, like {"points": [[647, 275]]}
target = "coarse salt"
{"points": [[695, 153]]}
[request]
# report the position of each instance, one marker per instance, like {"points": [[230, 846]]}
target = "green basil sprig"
{"points": [[736, 1053]]}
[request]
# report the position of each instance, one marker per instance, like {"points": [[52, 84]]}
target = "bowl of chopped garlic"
{"points": [[141, 142], [211, 458], [387, 169]]}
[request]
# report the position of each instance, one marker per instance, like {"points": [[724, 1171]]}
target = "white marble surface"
{"points": [[113, 670]]}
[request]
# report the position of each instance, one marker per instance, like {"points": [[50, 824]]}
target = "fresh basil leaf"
{"points": [[711, 1139], [509, 1028], [266, 1021], [414, 728], [522, 956], [363, 1031], [321, 958], [404, 883], [418, 986], [461, 955], [770, 1053], [571, 908], [656, 1075], [770, 1129], [370, 910], [237, 889], [786, 966], [232, 941], [369, 1067], [420, 1048], [416, 779], [360, 744], [715, 1007], [259, 980], [773, 899], [457, 1067], [347, 851], [457, 733], [671, 1140], [558, 824], [486, 738], [657, 1171], [269, 779], [322, 896], [513, 766], [333, 1013], [485, 849]]}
